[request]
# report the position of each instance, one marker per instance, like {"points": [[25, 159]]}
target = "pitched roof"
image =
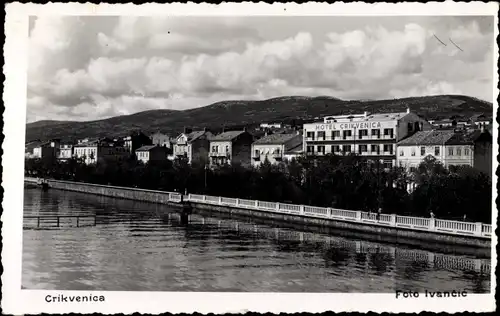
{"points": [[436, 137], [194, 135], [275, 139], [229, 135], [295, 150], [146, 148]]}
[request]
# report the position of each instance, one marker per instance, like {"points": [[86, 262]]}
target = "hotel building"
{"points": [[373, 136]]}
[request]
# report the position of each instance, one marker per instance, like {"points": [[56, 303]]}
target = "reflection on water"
{"points": [[146, 247]]}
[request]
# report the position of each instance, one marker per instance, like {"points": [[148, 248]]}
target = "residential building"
{"points": [[451, 148], [136, 140], [43, 150], [276, 148], [373, 136], [271, 125], [443, 123], [192, 145], [162, 140], [65, 151], [29, 148], [231, 147], [293, 152], [480, 120], [91, 151], [152, 153]]}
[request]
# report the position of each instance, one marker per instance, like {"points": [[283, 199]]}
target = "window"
{"points": [[388, 131], [466, 151], [410, 127], [376, 132], [459, 151], [310, 135], [413, 151], [347, 134], [401, 152], [346, 148], [335, 134], [387, 164], [422, 151], [450, 151], [321, 135], [321, 149], [214, 149], [227, 148], [310, 149], [413, 169], [363, 148], [336, 148], [375, 149], [362, 133], [256, 153], [436, 151]]}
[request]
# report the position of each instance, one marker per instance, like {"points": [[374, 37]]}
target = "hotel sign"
{"points": [[346, 126]]}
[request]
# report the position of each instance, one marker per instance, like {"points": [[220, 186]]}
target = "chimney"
{"points": [[204, 129], [408, 110], [366, 113], [245, 129], [483, 129], [223, 129]]}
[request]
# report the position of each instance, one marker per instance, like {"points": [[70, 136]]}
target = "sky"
{"points": [[87, 68]]}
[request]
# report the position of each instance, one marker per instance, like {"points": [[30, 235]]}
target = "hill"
{"points": [[240, 113]]}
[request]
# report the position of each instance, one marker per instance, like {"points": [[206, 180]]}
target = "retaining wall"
{"points": [[173, 199]]}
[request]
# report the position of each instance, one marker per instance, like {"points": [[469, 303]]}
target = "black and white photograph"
{"points": [[253, 153]]}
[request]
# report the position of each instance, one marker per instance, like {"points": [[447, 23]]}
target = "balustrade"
{"points": [[439, 225]]}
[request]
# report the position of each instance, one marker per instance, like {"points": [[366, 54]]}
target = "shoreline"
{"points": [[403, 235]]}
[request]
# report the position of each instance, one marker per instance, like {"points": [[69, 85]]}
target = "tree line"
{"points": [[459, 193]]}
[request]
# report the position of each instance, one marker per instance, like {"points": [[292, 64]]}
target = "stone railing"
{"points": [[391, 220], [387, 220]]}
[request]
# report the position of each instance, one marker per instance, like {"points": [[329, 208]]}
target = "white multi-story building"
{"points": [[92, 151], [65, 151], [451, 148], [276, 148], [373, 136], [192, 145]]}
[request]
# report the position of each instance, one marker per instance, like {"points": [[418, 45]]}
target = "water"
{"points": [[146, 247]]}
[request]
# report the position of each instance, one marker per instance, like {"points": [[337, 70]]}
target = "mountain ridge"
{"points": [[252, 112]]}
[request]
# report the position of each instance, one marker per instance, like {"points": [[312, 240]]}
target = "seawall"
{"points": [[397, 234]]}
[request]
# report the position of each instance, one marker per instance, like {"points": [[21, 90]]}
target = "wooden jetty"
{"points": [[58, 221]]}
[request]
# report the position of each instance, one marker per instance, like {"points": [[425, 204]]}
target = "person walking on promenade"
{"points": [[431, 214], [378, 213]]}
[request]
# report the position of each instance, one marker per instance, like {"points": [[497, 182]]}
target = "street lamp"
{"points": [[206, 169]]}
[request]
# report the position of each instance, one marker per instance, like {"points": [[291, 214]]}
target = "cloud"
{"points": [[89, 68]]}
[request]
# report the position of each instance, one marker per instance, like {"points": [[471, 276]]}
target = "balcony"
{"points": [[219, 154], [277, 156]]}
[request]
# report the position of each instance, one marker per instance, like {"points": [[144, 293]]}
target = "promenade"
{"points": [[439, 230]]}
